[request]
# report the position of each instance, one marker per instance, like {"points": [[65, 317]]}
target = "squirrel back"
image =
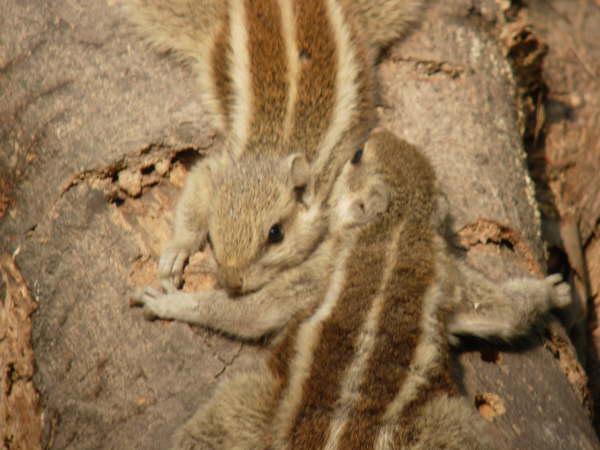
{"points": [[281, 78], [361, 331], [367, 363]]}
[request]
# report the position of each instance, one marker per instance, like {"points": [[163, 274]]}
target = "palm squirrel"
{"points": [[362, 331], [289, 84]]}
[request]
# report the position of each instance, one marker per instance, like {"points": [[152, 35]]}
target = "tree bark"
{"points": [[96, 134]]}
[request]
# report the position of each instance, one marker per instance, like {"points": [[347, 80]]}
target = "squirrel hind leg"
{"points": [[236, 416], [450, 423], [444, 421], [507, 312]]}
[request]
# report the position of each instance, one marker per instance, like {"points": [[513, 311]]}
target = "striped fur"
{"points": [[363, 314], [310, 57], [359, 368], [363, 359], [281, 78], [362, 329], [299, 81]]}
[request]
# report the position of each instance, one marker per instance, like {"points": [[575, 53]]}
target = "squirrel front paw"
{"points": [[149, 299], [157, 304], [170, 266]]}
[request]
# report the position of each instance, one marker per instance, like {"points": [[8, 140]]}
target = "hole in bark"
{"points": [[512, 13], [508, 244], [148, 170], [117, 201], [187, 157], [31, 230], [10, 378], [489, 405], [473, 12], [558, 261], [490, 355]]}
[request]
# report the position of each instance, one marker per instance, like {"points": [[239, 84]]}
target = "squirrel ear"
{"points": [[365, 207], [379, 199], [299, 170]]}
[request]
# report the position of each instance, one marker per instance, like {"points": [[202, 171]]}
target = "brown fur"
{"points": [[316, 126], [268, 71], [221, 53], [337, 346], [316, 86], [362, 328], [397, 338], [398, 330], [323, 109]]}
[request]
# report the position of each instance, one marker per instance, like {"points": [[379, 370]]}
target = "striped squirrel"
{"points": [[361, 355], [289, 84]]}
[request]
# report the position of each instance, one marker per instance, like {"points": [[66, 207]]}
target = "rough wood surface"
{"points": [[567, 157], [20, 423], [450, 89], [96, 133]]}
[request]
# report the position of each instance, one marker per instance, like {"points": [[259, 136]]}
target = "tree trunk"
{"points": [[96, 134]]}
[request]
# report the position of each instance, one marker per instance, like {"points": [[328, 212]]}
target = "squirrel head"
{"points": [[262, 219], [389, 178]]}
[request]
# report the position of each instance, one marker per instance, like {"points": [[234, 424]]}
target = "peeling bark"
{"points": [[96, 135], [20, 422]]}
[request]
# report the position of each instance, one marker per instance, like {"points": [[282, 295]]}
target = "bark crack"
{"points": [[489, 232]]}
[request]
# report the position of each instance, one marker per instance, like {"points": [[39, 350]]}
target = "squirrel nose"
{"points": [[231, 280]]}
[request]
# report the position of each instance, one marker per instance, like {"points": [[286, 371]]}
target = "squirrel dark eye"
{"points": [[357, 156], [208, 241], [275, 234]]}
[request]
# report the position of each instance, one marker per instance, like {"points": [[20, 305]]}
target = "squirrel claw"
{"points": [[136, 299], [170, 268], [146, 299]]}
